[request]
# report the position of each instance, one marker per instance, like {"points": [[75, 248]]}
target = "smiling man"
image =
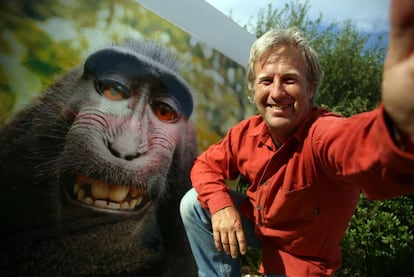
{"points": [[306, 166], [282, 93]]}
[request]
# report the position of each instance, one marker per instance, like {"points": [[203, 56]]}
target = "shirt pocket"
{"points": [[293, 209]]}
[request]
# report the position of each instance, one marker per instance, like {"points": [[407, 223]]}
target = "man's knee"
{"points": [[188, 204]]}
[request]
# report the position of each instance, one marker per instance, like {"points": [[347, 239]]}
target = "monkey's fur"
{"points": [[121, 120]]}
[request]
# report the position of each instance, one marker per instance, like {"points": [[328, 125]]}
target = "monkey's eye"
{"points": [[164, 111], [112, 90]]}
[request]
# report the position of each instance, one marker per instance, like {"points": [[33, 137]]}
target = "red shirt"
{"points": [[302, 195]]}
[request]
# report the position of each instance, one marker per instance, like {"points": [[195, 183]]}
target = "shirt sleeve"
{"points": [[209, 172], [360, 150]]}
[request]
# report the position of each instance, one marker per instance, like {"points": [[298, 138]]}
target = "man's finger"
{"points": [[225, 243], [234, 245], [241, 239], [217, 240]]}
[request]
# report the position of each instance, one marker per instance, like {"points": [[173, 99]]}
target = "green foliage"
{"points": [[352, 72], [7, 98], [379, 240], [293, 13]]}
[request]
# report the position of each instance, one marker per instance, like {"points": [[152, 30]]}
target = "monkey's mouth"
{"points": [[100, 195]]}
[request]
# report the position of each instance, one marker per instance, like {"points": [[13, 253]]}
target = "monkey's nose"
{"points": [[125, 148], [120, 153]]}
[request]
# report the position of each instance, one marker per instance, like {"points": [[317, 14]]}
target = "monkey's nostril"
{"points": [[113, 151], [131, 157]]}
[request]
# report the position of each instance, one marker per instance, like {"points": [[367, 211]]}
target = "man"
{"points": [[305, 166]]}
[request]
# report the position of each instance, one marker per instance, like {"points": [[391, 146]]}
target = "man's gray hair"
{"points": [[276, 38]]}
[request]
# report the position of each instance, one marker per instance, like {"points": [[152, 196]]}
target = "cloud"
{"points": [[368, 15]]}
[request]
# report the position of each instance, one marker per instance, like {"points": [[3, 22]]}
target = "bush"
{"points": [[380, 241]]}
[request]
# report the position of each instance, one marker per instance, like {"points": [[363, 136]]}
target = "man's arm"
{"points": [[209, 171], [398, 76]]}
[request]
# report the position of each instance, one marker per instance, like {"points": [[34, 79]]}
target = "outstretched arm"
{"points": [[398, 76]]}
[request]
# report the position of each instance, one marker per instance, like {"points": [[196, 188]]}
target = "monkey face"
{"points": [[121, 144], [95, 169]]}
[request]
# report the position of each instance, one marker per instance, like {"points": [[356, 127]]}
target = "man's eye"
{"points": [[266, 82], [112, 90], [165, 112], [289, 80]]}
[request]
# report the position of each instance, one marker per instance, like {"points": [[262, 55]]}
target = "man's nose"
{"points": [[276, 89]]}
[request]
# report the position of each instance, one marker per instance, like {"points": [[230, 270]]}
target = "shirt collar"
{"points": [[312, 115]]}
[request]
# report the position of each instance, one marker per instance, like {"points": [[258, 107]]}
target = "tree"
{"points": [[379, 241]]}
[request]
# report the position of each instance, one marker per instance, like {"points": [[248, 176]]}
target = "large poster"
{"points": [[42, 39], [95, 210]]}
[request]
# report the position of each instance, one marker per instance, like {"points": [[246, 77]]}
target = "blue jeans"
{"points": [[197, 223]]}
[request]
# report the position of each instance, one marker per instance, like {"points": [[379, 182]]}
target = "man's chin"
{"points": [[277, 122], [279, 125]]}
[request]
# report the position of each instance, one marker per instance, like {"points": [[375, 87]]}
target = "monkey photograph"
{"points": [[110, 147], [97, 140]]}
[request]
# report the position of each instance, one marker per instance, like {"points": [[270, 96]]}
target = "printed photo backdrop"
{"points": [[39, 40]]}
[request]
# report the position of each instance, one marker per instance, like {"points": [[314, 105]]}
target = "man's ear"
{"points": [[311, 90], [251, 99]]}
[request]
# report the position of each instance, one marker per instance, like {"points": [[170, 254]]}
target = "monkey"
{"points": [[93, 169]]}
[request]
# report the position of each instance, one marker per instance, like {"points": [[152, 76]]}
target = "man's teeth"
{"points": [[103, 195], [279, 107]]}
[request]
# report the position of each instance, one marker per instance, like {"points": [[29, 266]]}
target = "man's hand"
{"points": [[398, 78], [228, 232]]}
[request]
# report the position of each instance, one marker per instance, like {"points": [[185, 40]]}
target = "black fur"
{"points": [[72, 129]]}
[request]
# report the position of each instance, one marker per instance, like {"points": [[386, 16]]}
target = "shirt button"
{"points": [[259, 207], [264, 183]]}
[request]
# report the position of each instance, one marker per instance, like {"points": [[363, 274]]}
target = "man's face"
{"points": [[282, 93]]}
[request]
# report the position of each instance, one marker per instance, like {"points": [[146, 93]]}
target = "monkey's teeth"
{"points": [[101, 203], [100, 190], [113, 205], [135, 192], [135, 202], [105, 196], [117, 194], [76, 188], [125, 205], [88, 200], [81, 194]]}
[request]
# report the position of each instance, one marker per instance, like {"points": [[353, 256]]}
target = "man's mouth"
{"points": [[101, 195], [279, 107]]}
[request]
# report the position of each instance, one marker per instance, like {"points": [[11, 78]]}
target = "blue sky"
{"points": [[370, 16]]}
